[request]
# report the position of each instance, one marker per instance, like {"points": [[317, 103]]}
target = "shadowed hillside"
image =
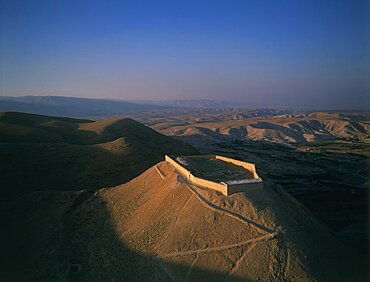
{"points": [[158, 227], [48, 153], [155, 227]]}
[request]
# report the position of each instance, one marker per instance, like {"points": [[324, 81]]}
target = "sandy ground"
{"points": [[159, 227], [156, 227]]}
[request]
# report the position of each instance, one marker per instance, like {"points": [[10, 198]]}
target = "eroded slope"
{"points": [[159, 227]]}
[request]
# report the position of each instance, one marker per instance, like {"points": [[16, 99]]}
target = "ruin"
{"points": [[226, 175]]}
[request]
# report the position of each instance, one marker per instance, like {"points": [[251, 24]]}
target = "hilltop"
{"points": [[159, 227], [51, 153]]}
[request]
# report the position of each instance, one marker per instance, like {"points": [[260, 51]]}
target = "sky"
{"points": [[259, 53]]}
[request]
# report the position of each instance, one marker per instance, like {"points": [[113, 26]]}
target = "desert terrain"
{"points": [[320, 158], [92, 200], [271, 126], [158, 227], [196, 141]]}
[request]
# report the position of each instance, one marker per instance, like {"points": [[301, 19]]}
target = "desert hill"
{"points": [[305, 127], [158, 227], [49, 153]]}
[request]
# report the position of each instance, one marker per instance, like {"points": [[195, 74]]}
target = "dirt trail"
{"points": [[191, 267], [232, 214], [220, 248], [163, 270], [192, 188], [237, 264]]}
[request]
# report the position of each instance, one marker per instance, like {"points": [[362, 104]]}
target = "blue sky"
{"points": [[262, 53]]}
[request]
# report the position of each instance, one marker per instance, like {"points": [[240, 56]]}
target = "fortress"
{"points": [[223, 174]]}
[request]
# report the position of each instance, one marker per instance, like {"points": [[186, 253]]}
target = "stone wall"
{"points": [[197, 180], [247, 166], [221, 187], [224, 188], [235, 188], [178, 167]]}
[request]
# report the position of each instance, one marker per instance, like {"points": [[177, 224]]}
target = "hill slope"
{"points": [[48, 153], [159, 227]]}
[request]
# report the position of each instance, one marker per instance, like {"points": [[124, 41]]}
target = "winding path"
{"points": [[232, 214], [192, 188], [220, 248]]}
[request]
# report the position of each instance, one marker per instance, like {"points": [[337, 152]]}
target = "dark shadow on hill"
{"points": [[71, 236], [146, 138], [35, 167], [29, 128], [129, 149]]}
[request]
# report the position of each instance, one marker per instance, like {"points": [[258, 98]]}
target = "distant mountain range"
{"points": [[195, 103], [98, 108], [70, 106], [83, 107]]}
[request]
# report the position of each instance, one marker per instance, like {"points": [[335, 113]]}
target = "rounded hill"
{"points": [[52, 153], [159, 227]]}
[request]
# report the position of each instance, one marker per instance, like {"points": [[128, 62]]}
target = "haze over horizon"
{"points": [[270, 53]]}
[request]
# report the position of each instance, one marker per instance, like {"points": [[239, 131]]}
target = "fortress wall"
{"points": [[226, 189], [209, 184], [248, 166], [202, 157], [235, 188], [179, 167], [197, 180]]}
